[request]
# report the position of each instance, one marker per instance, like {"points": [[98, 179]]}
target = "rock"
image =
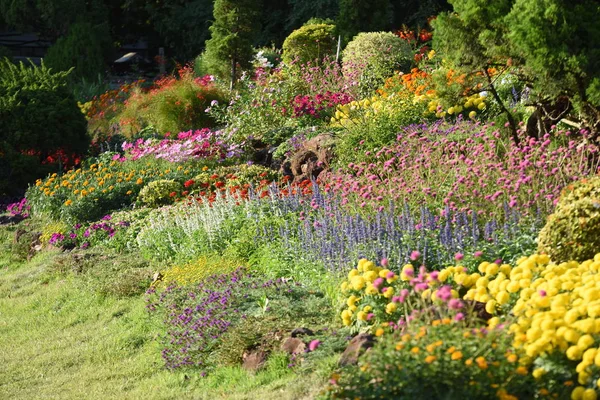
{"points": [[302, 331], [311, 159], [356, 347], [254, 360], [293, 345]]}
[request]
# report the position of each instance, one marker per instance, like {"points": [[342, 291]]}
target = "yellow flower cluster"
{"points": [[199, 270], [370, 286], [353, 112], [556, 308], [471, 104]]}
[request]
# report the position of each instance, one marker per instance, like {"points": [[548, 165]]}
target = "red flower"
{"points": [[219, 184], [173, 194], [189, 183]]}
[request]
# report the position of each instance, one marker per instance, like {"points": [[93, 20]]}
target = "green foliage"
{"points": [[573, 231], [309, 43], [38, 116], [231, 38], [363, 16], [373, 57], [82, 49], [159, 193]]}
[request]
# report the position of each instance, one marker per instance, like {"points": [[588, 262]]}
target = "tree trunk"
{"points": [[233, 69]]}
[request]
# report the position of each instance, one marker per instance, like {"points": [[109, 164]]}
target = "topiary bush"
{"points": [[40, 124], [573, 231], [160, 192], [308, 43], [371, 57]]}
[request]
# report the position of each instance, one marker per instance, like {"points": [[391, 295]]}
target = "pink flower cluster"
{"points": [[465, 167], [203, 143], [315, 105]]}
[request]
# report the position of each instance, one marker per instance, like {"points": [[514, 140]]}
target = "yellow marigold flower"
{"points": [[512, 358], [68, 202], [399, 346], [415, 350], [128, 192], [538, 373], [379, 332], [139, 181], [589, 394], [521, 370], [429, 359], [457, 355], [391, 308], [469, 362]]}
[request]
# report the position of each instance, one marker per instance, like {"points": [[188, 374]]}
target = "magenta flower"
{"points": [[455, 304], [459, 317], [459, 256], [384, 262], [415, 255], [312, 346], [478, 254]]}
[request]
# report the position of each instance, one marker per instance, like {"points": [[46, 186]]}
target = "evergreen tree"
{"points": [[232, 34], [552, 45]]}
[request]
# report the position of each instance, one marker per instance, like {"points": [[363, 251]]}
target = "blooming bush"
{"points": [[88, 193], [467, 167], [552, 309], [449, 360], [203, 144]]}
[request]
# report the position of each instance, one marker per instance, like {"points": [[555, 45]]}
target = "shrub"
{"points": [[572, 232], [40, 124], [172, 105], [375, 56], [309, 43], [159, 193]]}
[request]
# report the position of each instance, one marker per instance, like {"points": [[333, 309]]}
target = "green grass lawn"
{"points": [[61, 341]]}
